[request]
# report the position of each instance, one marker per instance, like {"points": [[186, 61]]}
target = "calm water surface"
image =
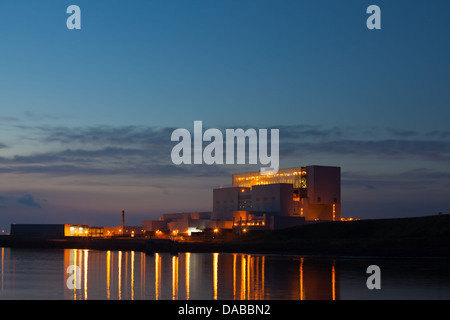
{"points": [[128, 275]]}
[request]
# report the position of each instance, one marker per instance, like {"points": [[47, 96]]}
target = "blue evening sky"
{"points": [[86, 115]]}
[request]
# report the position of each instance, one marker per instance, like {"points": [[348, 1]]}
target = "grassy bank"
{"points": [[422, 236]]}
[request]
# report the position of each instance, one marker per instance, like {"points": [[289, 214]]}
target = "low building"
{"points": [[154, 225], [126, 231], [55, 230], [187, 222], [255, 220]]}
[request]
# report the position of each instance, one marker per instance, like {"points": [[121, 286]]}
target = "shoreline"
{"points": [[402, 237], [151, 246]]}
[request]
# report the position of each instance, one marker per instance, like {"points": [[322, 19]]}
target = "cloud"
{"points": [[28, 201], [80, 156], [8, 119], [385, 143], [39, 116], [12, 200], [93, 150], [433, 150], [311, 132], [107, 161], [407, 193], [140, 150], [93, 154], [402, 133], [417, 192], [102, 135]]}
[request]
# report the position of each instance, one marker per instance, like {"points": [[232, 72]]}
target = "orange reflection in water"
{"points": [[85, 259], [188, 273], [215, 268], [302, 293], [114, 275], [132, 275], [108, 274], [157, 275], [3, 264], [119, 273], [333, 280], [234, 275], [174, 277], [79, 274]]}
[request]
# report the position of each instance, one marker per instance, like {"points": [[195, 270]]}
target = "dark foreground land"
{"points": [[424, 236]]}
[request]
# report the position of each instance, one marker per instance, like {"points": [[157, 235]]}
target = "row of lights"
{"points": [[248, 223], [275, 175], [78, 230]]}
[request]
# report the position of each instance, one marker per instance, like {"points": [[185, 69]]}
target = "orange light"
{"points": [[349, 219], [216, 230]]}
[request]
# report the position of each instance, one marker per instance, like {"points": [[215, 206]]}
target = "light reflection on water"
{"points": [[130, 275]]}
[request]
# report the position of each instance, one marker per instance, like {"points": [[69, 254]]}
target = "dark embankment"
{"points": [[422, 236], [125, 244]]}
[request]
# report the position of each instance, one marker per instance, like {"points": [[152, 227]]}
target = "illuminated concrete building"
{"points": [[289, 197], [264, 201], [125, 231], [188, 222]]}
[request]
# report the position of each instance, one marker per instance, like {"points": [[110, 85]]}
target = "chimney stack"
{"points": [[123, 221]]}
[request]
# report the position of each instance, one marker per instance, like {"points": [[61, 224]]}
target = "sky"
{"points": [[86, 115]]}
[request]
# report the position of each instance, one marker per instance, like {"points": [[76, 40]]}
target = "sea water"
{"points": [[71, 274]]}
